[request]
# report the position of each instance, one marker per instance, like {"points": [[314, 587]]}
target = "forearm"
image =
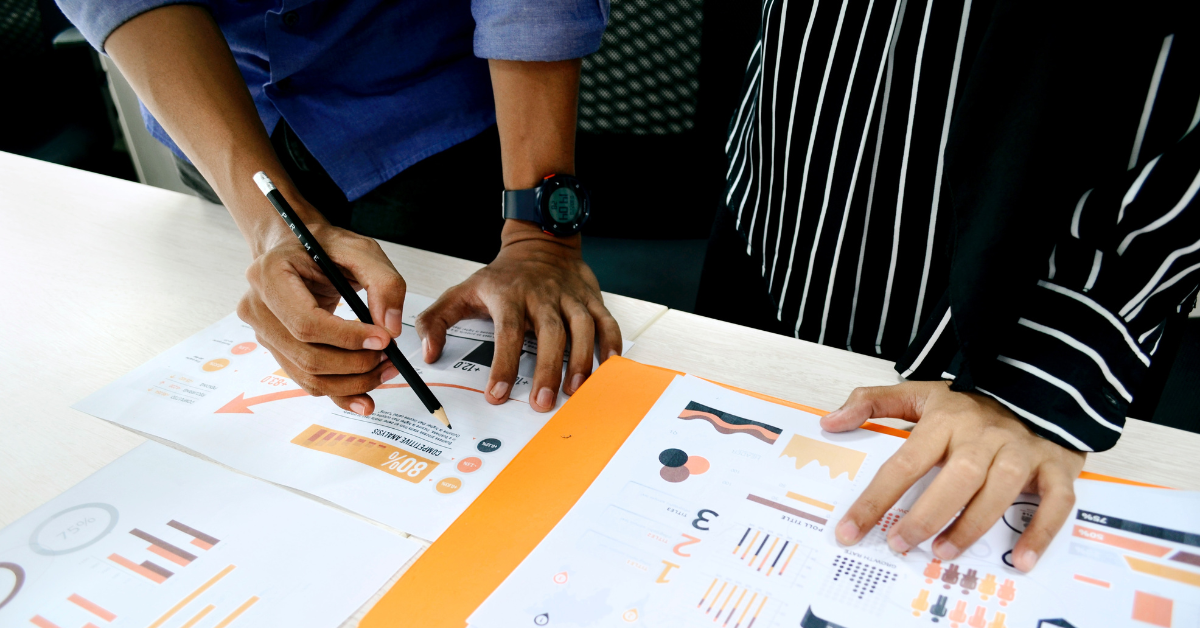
{"points": [[536, 104], [180, 66]]}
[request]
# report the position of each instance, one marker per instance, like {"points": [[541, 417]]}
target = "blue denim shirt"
{"points": [[374, 86]]}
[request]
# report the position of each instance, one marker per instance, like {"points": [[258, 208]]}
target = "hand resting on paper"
{"points": [[988, 457], [537, 282], [290, 306]]}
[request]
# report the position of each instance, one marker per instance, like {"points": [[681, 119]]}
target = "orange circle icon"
{"points": [[696, 464], [215, 365], [630, 615], [242, 348], [467, 465], [448, 485], [560, 577]]}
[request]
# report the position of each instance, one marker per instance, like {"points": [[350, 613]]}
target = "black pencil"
{"points": [[343, 287]]}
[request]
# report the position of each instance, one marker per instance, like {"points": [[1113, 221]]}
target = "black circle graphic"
{"points": [[542, 620], [673, 458], [488, 445]]}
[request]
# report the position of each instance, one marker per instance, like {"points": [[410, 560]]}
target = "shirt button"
{"points": [[290, 18]]}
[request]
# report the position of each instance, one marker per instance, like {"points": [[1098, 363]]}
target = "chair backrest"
{"points": [[645, 78]]}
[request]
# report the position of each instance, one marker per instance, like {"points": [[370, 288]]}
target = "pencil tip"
{"points": [[440, 413]]}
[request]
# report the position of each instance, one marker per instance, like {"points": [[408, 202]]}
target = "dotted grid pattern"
{"points": [[858, 584], [20, 30], [645, 77]]}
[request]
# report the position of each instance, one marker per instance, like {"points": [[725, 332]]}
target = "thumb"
{"points": [[454, 305], [902, 401]]}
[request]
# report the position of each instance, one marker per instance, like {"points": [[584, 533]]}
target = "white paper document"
{"points": [[223, 395], [159, 538], [719, 511]]}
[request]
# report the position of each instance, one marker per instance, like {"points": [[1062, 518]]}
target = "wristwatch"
{"points": [[560, 205]]}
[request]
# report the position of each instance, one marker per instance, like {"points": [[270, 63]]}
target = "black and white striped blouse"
{"points": [[891, 165]]}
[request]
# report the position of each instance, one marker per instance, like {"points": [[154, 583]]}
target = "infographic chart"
{"points": [[161, 539], [221, 394], [742, 537]]}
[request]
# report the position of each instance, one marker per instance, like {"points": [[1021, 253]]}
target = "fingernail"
{"points": [[394, 321], [612, 353], [945, 550], [545, 398], [898, 544], [576, 382], [832, 415], [359, 408], [1028, 561], [374, 343], [389, 373], [847, 532], [499, 389], [425, 348]]}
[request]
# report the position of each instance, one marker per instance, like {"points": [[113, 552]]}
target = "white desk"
{"points": [[101, 275]]}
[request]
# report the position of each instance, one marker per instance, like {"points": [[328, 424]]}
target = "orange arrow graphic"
{"points": [[241, 404]]}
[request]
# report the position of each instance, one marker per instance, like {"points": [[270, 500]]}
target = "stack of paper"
{"points": [[719, 511], [162, 539]]}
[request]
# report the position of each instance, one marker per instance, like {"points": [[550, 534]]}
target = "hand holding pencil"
{"points": [[290, 307]]}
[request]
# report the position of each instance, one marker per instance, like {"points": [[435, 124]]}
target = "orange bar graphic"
{"points": [[710, 588], [191, 596], [810, 501], [717, 597], [747, 610], [201, 544], [186, 529], [1122, 542], [736, 606], [91, 607], [757, 612], [183, 562], [1152, 609], [1099, 583], [42, 622], [756, 533], [234, 615], [768, 554], [198, 616], [138, 569], [726, 602], [789, 559], [1163, 571], [392, 460]]}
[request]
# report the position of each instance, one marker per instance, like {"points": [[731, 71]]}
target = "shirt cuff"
{"points": [[97, 19], [1068, 369], [539, 31]]}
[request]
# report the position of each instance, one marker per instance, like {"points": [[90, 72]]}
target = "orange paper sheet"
{"points": [[487, 542]]}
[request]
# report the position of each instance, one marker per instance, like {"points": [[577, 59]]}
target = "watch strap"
{"points": [[521, 205]]}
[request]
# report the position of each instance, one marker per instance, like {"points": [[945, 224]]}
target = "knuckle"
{"points": [[305, 330], [903, 465], [509, 326], [919, 526], [312, 385], [307, 361], [1009, 470], [966, 467]]}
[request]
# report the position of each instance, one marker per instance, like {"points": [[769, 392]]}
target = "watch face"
{"points": [[563, 205]]}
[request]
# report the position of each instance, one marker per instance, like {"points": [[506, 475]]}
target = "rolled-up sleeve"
{"points": [[1087, 337], [538, 30], [97, 19]]}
